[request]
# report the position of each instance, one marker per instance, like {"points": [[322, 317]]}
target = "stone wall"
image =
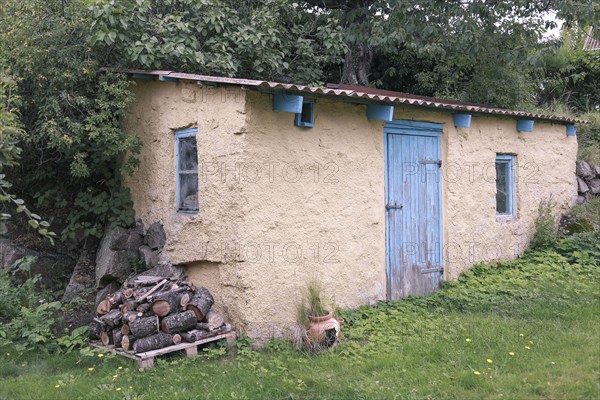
{"points": [[588, 181]]}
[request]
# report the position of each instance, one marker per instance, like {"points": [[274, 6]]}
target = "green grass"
{"points": [[544, 308]]}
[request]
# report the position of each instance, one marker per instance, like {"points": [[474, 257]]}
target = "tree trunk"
{"points": [[153, 342], [166, 303], [103, 307], [95, 329], [117, 337], [178, 322], [131, 316], [113, 318], [201, 303], [128, 306], [106, 337], [176, 338], [214, 320], [126, 342], [357, 65], [143, 327]]}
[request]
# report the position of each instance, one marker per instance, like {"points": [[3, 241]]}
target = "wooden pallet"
{"points": [[146, 360]]}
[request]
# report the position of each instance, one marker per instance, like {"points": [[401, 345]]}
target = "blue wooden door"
{"points": [[413, 208]]}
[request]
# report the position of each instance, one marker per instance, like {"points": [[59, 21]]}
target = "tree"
{"points": [[71, 113]]}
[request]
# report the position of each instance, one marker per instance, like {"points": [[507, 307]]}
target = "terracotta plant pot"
{"points": [[323, 331]]}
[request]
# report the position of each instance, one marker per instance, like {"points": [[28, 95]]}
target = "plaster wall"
{"points": [[280, 204]]}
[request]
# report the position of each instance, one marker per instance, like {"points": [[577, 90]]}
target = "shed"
{"points": [[262, 186]]}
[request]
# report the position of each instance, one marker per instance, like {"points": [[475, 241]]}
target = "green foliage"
{"points": [[311, 303], [546, 229], [78, 339], [29, 314], [71, 113], [267, 40]]}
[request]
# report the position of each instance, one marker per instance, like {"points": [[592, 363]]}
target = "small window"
{"points": [[186, 157], [505, 185], [307, 117]]}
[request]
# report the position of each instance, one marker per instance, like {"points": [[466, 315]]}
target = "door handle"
{"points": [[393, 207]]}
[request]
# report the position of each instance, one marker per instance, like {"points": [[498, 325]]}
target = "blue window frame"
{"points": [[306, 118], [186, 158], [505, 185]]}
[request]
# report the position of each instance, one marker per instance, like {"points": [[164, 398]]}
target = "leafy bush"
{"points": [[546, 230]]}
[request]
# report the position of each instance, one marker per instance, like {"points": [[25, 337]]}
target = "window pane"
{"points": [[501, 193], [188, 192], [306, 113], [188, 154]]}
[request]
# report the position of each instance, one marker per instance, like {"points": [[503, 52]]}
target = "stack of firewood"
{"points": [[151, 312]]}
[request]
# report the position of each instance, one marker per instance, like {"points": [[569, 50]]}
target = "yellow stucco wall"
{"points": [[280, 204]]}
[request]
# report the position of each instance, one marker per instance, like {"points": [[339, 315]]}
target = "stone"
{"points": [[594, 186], [580, 200], [148, 256], [127, 240], [47, 263], [155, 237], [117, 237], [165, 270], [111, 264], [111, 287], [82, 278], [584, 170], [582, 187], [597, 168], [139, 227]]}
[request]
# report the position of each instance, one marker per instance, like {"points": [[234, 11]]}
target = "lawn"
{"points": [[526, 329]]}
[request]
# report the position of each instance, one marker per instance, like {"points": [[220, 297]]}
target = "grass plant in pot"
{"points": [[322, 328]]}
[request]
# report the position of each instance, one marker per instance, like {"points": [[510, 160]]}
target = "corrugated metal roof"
{"points": [[591, 43], [351, 92]]}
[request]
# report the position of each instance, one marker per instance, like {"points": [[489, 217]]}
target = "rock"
{"points": [[111, 287], [148, 256], [582, 187], [584, 170], [111, 264], [126, 239], [82, 278], [165, 270], [117, 237], [46, 264], [155, 237], [139, 227], [594, 186], [597, 168], [580, 200]]}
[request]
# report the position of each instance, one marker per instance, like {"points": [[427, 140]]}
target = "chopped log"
{"points": [[106, 338], [129, 306], [117, 337], [95, 329], [144, 281], [103, 307], [128, 293], [126, 342], [153, 342], [214, 320], [142, 327], [113, 318], [154, 289], [194, 335], [184, 300], [125, 329], [131, 316], [143, 308], [116, 298], [176, 338], [201, 303], [178, 322], [167, 303]]}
